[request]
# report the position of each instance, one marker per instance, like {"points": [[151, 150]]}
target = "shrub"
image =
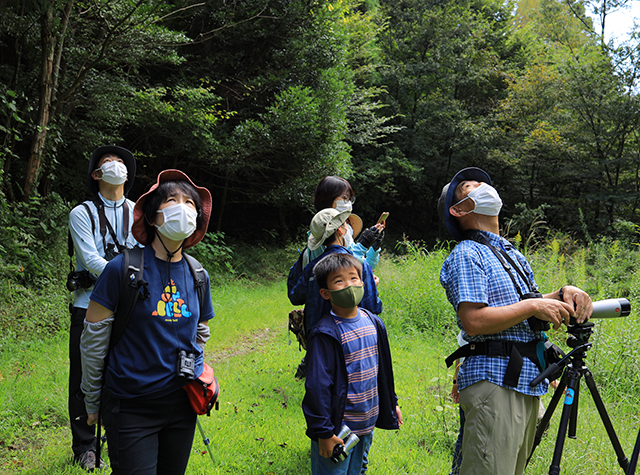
{"points": [[32, 250], [214, 255]]}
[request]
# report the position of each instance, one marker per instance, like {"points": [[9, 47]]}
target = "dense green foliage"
{"points": [[258, 99], [32, 233]]}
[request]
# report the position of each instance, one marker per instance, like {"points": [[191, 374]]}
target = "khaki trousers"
{"points": [[499, 429]]}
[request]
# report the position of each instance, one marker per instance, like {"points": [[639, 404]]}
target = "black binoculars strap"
{"points": [[507, 262], [516, 351], [106, 225]]}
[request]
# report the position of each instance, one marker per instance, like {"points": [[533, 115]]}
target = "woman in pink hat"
{"points": [[148, 419]]}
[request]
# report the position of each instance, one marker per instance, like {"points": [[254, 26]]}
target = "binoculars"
{"points": [[340, 451], [186, 365]]}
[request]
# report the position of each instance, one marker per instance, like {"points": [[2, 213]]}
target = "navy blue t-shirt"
{"points": [[144, 361]]}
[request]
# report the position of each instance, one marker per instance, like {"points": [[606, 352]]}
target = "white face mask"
{"points": [[114, 173], [487, 200], [343, 205], [179, 222], [348, 237]]}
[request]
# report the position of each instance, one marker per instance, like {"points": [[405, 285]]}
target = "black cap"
{"points": [[127, 158]]}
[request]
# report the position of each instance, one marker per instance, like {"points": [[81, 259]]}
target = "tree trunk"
{"points": [[223, 200], [44, 110]]}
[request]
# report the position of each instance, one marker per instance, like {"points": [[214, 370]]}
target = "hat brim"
{"points": [[466, 174], [139, 230], [356, 224], [331, 227], [127, 158]]}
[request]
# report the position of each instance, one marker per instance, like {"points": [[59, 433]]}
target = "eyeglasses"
{"points": [[348, 198]]}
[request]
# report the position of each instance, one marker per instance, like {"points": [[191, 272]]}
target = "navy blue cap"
{"points": [[446, 197]]}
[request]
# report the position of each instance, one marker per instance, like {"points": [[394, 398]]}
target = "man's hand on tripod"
{"points": [[580, 300], [552, 311]]}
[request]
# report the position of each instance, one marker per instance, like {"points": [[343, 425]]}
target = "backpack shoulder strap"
{"points": [[93, 229], [125, 221], [199, 278], [133, 287], [93, 223]]}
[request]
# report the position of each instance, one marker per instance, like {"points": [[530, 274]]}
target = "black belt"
{"points": [[513, 349]]}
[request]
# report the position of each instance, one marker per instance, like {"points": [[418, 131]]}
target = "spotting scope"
{"points": [[611, 308]]}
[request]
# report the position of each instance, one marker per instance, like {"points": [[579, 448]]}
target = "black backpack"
{"points": [[134, 287]]}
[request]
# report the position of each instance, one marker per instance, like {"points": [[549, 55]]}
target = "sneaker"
{"points": [[87, 461]]}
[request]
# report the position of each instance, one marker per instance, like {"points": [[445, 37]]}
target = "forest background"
{"points": [[259, 99]]}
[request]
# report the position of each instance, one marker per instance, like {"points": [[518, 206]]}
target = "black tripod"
{"points": [[634, 457], [575, 369]]}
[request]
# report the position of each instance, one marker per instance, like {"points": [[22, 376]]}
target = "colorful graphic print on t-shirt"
{"points": [[171, 305]]}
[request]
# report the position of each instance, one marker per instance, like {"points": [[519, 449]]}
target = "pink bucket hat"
{"points": [[139, 230]]}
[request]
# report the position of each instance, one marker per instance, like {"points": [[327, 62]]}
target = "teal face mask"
{"points": [[348, 297]]}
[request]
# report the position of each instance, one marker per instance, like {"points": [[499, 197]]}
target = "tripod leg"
{"points": [[573, 420], [573, 380], [634, 457], [622, 459], [543, 425]]}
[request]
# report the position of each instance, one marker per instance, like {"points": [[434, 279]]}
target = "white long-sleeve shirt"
{"points": [[88, 246]]}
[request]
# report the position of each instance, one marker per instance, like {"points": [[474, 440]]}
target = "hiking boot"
{"points": [[87, 461]]}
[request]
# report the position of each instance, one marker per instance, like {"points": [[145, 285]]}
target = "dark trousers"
{"points": [[457, 451], [84, 437], [149, 436]]}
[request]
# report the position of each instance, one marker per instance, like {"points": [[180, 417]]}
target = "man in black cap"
{"points": [[99, 229], [502, 315]]}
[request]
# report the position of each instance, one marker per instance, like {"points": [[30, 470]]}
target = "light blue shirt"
{"points": [[89, 246], [370, 256]]}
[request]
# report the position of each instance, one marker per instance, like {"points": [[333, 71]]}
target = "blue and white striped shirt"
{"points": [[359, 339], [472, 273]]}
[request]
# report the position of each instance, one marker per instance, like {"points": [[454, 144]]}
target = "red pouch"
{"points": [[203, 392]]}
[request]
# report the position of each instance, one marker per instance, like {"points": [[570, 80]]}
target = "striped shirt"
{"points": [[359, 340], [472, 273]]}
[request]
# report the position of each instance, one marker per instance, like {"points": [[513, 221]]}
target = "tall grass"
{"points": [[259, 428], [414, 300]]}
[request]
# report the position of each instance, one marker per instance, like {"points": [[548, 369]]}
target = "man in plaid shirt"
{"points": [[492, 288]]}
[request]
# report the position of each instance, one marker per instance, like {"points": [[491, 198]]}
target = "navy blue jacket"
{"points": [[326, 381], [307, 291]]}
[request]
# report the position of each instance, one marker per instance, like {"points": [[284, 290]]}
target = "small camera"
{"points": [[110, 251], [186, 365], [341, 451], [79, 280]]}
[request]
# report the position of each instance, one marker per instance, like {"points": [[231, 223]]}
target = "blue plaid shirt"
{"points": [[472, 273]]}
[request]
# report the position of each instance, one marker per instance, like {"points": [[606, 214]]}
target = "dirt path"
{"points": [[246, 344]]}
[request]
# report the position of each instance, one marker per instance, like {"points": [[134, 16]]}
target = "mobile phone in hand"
{"points": [[383, 217]]}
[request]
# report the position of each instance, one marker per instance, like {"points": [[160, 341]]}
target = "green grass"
{"points": [[259, 428]]}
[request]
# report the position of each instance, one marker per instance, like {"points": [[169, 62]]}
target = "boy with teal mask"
{"points": [[349, 371]]}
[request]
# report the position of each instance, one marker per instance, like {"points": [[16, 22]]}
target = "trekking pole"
{"points": [[206, 440]]}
